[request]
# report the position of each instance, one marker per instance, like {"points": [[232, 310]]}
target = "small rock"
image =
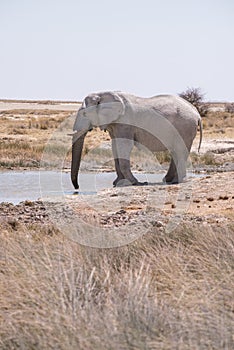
{"points": [[28, 203], [156, 223], [210, 199], [121, 211], [199, 219], [224, 197]]}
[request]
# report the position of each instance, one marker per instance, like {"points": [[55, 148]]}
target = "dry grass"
{"points": [[19, 153], [25, 132], [219, 124], [207, 158], [165, 291], [24, 137], [13, 121]]}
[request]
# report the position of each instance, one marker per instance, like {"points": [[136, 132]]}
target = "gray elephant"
{"points": [[163, 122]]}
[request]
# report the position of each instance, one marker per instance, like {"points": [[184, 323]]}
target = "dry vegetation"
{"points": [[28, 130], [218, 124], [24, 134], [164, 291]]}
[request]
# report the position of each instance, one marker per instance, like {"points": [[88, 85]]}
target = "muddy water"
{"points": [[17, 186]]}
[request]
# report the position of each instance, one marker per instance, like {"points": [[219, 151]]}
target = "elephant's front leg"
{"points": [[117, 167], [121, 150], [128, 178], [118, 172]]}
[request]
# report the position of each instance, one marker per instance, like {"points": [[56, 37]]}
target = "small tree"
{"points": [[195, 97], [229, 107]]}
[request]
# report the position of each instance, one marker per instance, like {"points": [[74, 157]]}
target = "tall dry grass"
{"points": [[164, 291], [26, 134]]}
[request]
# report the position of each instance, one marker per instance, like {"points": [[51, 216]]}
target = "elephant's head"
{"points": [[100, 110]]}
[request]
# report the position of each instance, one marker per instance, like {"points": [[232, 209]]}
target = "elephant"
{"points": [[162, 122]]}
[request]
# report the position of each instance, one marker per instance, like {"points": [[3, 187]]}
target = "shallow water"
{"points": [[17, 186]]}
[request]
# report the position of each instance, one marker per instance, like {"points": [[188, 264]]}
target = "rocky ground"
{"points": [[206, 200]]}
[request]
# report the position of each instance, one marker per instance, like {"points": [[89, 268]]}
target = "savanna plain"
{"points": [[170, 282]]}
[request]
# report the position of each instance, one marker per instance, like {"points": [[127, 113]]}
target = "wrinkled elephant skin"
{"points": [[163, 122]]}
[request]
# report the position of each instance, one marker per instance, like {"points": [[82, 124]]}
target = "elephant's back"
{"points": [[181, 102], [174, 105], [167, 104]]}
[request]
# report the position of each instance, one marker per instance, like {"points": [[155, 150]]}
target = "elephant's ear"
{"points": [[82, 123], [110, 108]]}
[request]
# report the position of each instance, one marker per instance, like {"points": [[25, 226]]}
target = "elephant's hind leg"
{"points": [[177, 171], [171, 173]]}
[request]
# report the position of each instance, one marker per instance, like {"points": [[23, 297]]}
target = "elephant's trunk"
{"points": [[77, 146]]}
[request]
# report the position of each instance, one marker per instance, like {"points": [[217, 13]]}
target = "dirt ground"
{"points": [[208, 199]]}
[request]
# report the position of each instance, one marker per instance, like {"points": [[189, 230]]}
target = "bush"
{"points": [[195, 97]]}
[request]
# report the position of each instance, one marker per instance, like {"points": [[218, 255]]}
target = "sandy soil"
{"points": [[65, 106]]}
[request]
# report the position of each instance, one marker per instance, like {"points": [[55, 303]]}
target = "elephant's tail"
{"points": [[200, 129]]}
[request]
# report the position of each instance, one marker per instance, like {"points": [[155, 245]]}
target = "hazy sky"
{"points": [[65, 49]]}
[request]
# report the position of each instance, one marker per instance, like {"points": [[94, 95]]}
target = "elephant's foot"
{"points": [[168, 178], [126, 182], [123, 183], [141, 183], [115, 183], [172, 181]]}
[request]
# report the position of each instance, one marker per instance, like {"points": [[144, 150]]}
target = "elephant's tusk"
{"points": [[73, 133]]}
